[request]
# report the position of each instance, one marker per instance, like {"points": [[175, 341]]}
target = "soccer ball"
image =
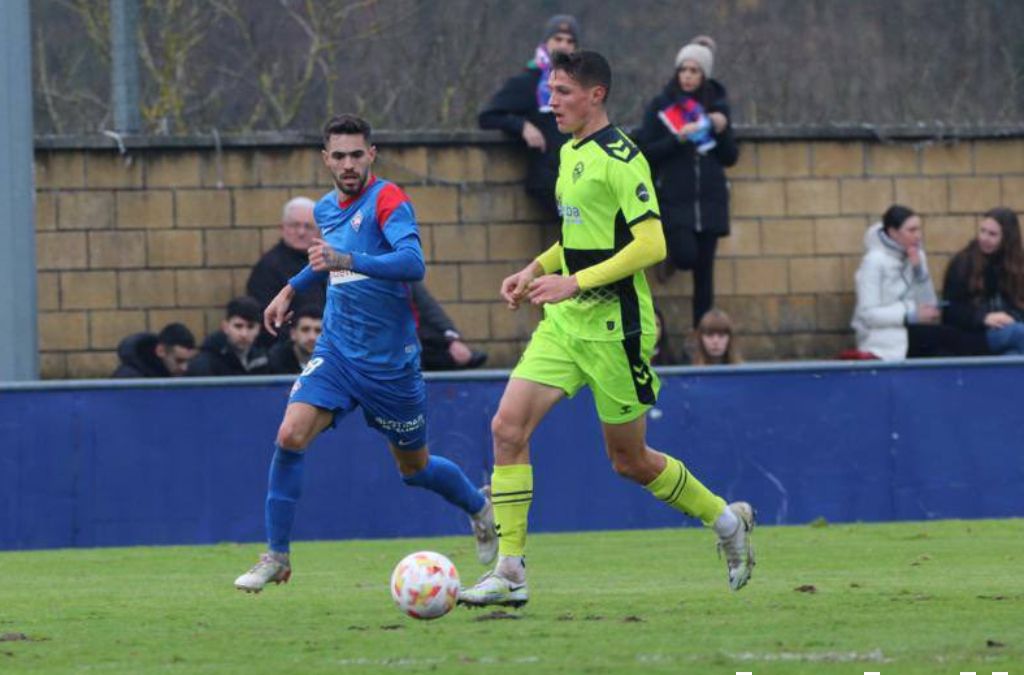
{"points": [[425, 585]]}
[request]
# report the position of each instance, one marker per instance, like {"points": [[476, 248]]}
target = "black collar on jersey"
{"points": [[603, 130]]}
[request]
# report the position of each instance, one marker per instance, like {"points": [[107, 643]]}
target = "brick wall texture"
{"points": [[131, 242]]}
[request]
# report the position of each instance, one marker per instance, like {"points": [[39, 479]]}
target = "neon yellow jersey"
{"points": [[604, 187]]}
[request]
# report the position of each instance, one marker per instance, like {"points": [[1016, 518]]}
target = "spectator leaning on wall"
{"points": [[522, 109]]}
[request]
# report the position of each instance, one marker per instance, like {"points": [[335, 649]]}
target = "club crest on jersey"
{"points": [[577, 171], [357, 221]]}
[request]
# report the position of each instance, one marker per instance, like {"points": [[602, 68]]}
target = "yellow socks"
{"points": [[511, 494], [681, 490]]}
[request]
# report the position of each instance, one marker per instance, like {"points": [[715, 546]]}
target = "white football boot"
{"points": [[272, 566], [484, 531], [739, 551], [494, 590]]}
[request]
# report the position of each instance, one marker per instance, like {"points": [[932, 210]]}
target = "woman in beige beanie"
{"points": [[687, 138]]}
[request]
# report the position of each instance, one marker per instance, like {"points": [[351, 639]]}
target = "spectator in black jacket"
{"points": [[284, 261], [984, 288], [692, 188], [441, 343], [163, 355], [233, 350], [292, 355], [521, 110]]}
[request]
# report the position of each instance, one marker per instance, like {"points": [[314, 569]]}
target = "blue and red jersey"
{"points": [[369, 318]]}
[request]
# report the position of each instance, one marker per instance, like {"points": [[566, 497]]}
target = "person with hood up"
{"points": [[897, 312], [687, 138], [165, 354], [522, 109]]}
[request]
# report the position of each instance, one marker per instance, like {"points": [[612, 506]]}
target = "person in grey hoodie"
{"points": [[897, 313]]}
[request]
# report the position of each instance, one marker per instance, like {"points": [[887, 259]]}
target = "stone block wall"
{"points": [[168, 232]]}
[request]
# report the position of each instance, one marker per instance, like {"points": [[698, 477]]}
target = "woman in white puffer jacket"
{"points": [[897, 314]]}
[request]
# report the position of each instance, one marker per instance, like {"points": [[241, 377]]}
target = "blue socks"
{"points": [[283, 492], [285, 487], [446, 479]]}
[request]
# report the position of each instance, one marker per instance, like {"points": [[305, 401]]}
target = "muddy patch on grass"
{"points": [[498, 615]]}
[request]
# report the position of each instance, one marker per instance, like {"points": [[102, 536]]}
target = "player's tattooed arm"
{"points": [[336, 260], [322, 257]]}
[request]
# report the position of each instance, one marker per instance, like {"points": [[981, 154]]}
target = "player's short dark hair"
{"points": [[347, 125], [588, 68], [245, 308], [176, 335], [308, 311]]}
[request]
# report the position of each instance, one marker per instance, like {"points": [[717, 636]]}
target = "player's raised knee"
{"points": [[293, 436]]}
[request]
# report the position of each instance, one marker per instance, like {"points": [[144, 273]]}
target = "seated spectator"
{"points": [[233, 350], [897, 313], [163, 355], [292, 355], [284, 261], [984, 285], [716, 341], [442, 345], [663, 354]]}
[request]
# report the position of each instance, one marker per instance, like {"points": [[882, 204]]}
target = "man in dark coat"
{"points": [[163, 355], [285, 259], [233, 350], [521, 110]]}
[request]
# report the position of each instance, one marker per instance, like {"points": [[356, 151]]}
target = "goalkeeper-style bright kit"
{"points": [[602, 337]]}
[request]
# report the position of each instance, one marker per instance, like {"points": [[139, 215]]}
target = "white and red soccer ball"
{"points": [[425, 585]]}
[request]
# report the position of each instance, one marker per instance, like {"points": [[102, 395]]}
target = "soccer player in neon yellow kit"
{"points": [[598, 331]]}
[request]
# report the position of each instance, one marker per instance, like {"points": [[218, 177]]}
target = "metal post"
{"points": [[124, 59], [19, 354]]}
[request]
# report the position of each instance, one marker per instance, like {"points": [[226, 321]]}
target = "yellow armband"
{"points": [[551, 259], [647, 248]]}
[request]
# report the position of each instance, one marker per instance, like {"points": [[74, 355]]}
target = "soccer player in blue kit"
{"points": [[367, 355]]}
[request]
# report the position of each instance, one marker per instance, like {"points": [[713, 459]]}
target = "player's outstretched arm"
{"points": [[277, 312]]}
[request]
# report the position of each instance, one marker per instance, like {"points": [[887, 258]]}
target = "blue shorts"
{"points": [[395, 407]]}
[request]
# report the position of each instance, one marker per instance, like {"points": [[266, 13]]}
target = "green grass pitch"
{"points": [[899, 599]]}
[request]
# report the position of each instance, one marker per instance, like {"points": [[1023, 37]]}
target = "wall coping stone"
{"points": [[435, 137]]}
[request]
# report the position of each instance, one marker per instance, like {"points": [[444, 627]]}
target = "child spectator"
{"points": [[716, 340]]}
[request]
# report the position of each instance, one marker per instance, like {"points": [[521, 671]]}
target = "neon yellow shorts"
{"points": [[617, 372]]}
